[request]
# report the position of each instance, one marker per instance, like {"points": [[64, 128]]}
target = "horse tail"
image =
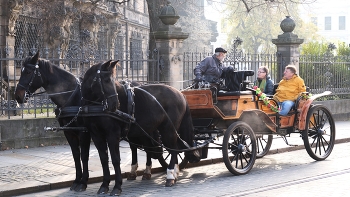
{"points": [[186, 130]]}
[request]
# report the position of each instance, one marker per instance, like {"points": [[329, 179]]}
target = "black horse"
{"points": [[99, 87], [64, 90], [152, 148]]}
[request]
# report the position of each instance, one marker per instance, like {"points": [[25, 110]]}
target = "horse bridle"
{"points": [[105, 98], [35, 73]]}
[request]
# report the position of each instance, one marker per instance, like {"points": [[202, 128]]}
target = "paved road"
{"points": [[286, 174], [49, 168]]}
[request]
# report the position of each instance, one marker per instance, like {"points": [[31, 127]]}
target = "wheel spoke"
{"points": [[320, 132], [239, 148], [241, 159], [245, 158]]}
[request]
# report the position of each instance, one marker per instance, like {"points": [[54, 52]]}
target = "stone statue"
{"points": [[15, 8]]}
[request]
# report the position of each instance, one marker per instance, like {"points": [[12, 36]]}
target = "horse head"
{"points": [[30, 79], [99, 86]]}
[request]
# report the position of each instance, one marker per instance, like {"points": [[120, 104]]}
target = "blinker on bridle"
{"points": [[105, 98]]}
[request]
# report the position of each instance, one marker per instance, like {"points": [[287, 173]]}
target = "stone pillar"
{"points": [[169, 41], [288, 51], [10, 11]]}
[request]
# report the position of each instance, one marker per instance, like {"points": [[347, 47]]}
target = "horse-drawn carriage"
{"points": [[159, 116], [248, 123]]}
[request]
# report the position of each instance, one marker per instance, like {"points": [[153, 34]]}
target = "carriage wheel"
{"points": [[319, 133], [165, 159], [263, 145], [239, 148]]}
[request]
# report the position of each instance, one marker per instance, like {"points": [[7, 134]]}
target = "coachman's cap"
{"points": [[220, 49]]}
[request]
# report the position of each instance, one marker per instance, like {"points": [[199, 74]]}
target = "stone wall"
{"points": [[29, 133], [338, 108]]}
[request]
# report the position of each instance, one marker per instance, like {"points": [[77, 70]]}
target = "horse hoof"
{"points": [[103, 190], [115, 192], [146, 176], [72, 188], [170, 182], [131, 176], [80, 188], [193, 157]]}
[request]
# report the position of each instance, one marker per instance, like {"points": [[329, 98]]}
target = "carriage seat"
{"points": [[295, 107], [236, 80]]}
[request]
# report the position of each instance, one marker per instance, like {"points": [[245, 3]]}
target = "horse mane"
{"points": [[44, 62], [50, 66], [114, 70], [47, 64]]}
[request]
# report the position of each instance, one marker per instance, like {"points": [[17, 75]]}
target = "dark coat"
{"points": [[269, 86]]}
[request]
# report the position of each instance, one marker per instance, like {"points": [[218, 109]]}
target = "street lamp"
{"points": [[235, 55]]}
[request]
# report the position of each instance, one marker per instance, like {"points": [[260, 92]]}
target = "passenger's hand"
{"points": [[198, 78]]}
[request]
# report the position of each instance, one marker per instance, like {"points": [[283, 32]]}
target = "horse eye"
{"points": [[26, 70]]}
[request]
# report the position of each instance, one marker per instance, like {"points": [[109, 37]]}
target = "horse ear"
{"points": [[105, 65], [35, 58], [114, 63]]}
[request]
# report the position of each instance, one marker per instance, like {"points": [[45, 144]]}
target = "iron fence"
{"points": [[135, 69], [320, 73], [245, 62], [326, 72]]}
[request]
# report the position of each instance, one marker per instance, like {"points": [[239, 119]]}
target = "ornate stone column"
{"points": [[169, 41], [288, 51], [13, 11]]}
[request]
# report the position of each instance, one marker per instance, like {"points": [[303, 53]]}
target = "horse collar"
{"points": [[130, 95]]}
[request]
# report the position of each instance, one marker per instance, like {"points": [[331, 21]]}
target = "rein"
{"points": [[177, 134]]}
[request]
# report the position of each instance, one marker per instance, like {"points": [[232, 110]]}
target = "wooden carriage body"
{"points": [[218, 110]]}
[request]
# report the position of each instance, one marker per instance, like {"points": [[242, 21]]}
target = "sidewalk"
{"points": [[39, 169]]}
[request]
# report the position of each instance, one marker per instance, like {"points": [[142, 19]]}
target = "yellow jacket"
{"points": [[289, 89]]}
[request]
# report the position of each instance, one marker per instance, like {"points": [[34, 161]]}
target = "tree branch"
{"points": [[246, 5]]}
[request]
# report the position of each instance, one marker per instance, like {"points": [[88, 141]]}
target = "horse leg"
{"points": [[73, 142], [101, 145], [113, 144], [172, 171], [148, 171], [85, 140], [134, 165]]}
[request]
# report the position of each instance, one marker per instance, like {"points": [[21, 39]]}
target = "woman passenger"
{"points": [[263, 81]]}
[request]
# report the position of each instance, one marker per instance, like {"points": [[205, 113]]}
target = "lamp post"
{"points": [[235, 55]]}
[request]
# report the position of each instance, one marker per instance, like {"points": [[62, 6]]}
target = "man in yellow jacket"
{"points": [[289, 88]]}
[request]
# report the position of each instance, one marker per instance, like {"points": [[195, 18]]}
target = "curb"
{"points": [[42, 186]]}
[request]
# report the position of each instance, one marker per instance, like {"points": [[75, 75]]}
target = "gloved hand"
{"points": [[198, 78]]}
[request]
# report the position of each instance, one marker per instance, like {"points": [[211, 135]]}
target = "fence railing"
{"points": [[37, 106], [320, 73], [330, 73], [246, 62]]}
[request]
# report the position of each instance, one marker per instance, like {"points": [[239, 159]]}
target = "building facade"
{"points": [[90, 29], [332, 18]]}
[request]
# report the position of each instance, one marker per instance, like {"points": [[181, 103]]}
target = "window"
{"points": [[135, 54], [327, 23], [314, 20], [341, 22]]}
